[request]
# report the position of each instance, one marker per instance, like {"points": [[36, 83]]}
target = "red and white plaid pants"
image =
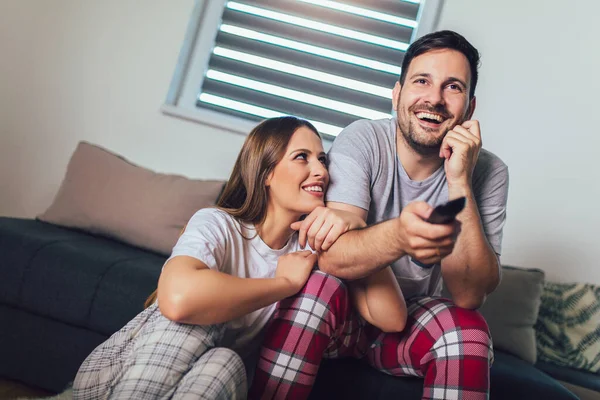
{"points": [[450, 347]]}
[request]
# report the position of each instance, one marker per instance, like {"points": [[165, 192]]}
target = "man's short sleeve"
{"points": [[351, 166], [490, 185], [204, 238]]}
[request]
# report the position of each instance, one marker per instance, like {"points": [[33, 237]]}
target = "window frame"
{"points": [[195, 54]]}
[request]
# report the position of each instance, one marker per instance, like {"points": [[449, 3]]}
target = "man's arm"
{"points": [[472, 271], [358, 253]]}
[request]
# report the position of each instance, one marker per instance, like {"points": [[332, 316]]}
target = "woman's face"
{"points": [[299, 181]]}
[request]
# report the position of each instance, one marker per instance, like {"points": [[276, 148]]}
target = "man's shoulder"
{"points": [[488, 161], [365, 135], [489, 167], [366, 128]]}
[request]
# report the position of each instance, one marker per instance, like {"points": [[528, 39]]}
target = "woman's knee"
{"points": [[232, 372], [223, 356]]}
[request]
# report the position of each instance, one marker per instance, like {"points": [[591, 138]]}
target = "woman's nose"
{"points": [[319, 169]]}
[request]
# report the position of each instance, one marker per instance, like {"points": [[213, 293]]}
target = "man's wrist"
{"points": [[459, 189], [401, 246]]}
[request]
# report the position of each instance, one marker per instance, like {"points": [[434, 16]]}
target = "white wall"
{"points": [[99, 71]]}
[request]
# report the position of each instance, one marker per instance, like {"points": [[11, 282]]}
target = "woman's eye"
{"points": [[323, 160], [301, 156]]}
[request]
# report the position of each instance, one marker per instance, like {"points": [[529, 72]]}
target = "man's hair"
{"points": [[443, 40]]}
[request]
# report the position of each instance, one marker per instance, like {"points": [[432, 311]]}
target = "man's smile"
{"points": [[430, 120]]}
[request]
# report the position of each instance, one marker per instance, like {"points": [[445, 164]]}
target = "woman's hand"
{"points": [[295, 268], [323, 226]]}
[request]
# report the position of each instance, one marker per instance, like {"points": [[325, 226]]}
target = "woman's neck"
{"points": [[275, 231]]}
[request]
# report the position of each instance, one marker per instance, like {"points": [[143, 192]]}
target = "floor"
{"points": [[12, 390]]}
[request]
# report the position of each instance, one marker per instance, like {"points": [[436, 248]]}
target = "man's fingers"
{"points": [[473, 127], [433, 255], [420, 208], [315, 227], [445, 149], [421, 243], [333, 235], [320, 237], [305, 226]]}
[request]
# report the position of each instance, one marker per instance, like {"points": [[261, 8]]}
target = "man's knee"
{"points": [[454, 328]]}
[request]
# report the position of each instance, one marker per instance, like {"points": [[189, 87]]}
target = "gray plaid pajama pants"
{"points": [[153, 357]]}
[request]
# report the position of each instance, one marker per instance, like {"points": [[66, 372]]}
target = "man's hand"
{"points": [[425, 242], [461, 148], [323, 226]]}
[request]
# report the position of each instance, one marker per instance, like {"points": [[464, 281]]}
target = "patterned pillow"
{"points": [[568, 326]]}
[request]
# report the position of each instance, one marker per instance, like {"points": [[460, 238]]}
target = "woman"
{"points": [[218, 289]]}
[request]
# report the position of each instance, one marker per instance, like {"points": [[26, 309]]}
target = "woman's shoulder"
{"points": [[214, 216]]}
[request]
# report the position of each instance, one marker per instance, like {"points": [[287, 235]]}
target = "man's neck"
{"points": [[418, 167]]}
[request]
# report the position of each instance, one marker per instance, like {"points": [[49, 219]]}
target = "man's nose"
{"points": [[435, 96]]}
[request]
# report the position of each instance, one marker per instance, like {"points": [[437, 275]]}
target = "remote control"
{"points": [[444, 214]]}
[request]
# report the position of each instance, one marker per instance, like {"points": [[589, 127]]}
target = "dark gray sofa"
{"points": [[63, 292]]}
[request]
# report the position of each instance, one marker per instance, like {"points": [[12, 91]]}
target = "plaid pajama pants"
{"points": [[448, 346], [153, 357]]}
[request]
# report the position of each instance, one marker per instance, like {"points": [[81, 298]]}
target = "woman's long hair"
{"points": [[245, 196]]}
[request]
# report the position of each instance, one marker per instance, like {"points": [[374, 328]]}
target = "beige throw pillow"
{"points": [[512, 310], [103, 193]]}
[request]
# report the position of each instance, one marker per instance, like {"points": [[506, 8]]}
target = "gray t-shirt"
{"points": [[365, 172]]}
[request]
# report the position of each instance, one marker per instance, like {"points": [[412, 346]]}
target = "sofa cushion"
{"points": [[105, 194], [512, 310], [510, 378], [572, 376], [73, 277]]}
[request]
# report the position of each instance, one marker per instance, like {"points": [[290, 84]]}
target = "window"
{"points": [[331, 62]]}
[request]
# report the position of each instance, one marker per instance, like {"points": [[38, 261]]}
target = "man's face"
{"points": [[434, 99]]}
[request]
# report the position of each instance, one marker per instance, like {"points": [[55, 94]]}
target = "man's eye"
{"points": [[455, 87], [421, 81]]}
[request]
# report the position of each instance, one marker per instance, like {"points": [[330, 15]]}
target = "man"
{"points": [[390, 173]]}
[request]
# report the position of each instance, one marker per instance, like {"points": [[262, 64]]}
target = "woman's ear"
{"points": [[268, 180]]}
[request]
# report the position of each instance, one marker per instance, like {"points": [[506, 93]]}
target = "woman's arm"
{"points": [[379, 300], [189, 292]]}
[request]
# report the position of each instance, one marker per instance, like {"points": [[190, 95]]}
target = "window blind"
{"points": [[330, 62]]}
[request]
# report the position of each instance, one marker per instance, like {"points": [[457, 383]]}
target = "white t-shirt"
{"points": [[219, 241]]}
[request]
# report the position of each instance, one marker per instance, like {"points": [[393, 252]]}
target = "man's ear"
{"points": [[471, 109], [396, 95]]}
